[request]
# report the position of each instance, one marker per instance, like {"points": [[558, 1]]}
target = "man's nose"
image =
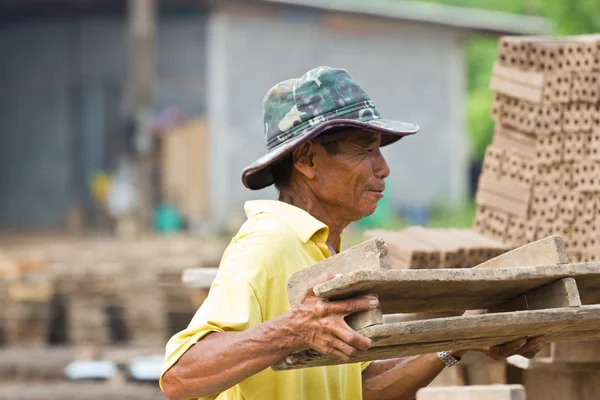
{"points": [[382, 169]]}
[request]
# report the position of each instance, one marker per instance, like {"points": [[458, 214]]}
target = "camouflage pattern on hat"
{"points": [[297, 110], [296, 106]]}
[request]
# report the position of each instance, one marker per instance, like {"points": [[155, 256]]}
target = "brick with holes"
{"points": [[574, 146], [593, 146], [549, 149]]}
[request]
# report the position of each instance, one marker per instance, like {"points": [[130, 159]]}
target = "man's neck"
{"points": [[306, 200]]}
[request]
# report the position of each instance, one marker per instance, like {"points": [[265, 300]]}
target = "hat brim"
{"points": [[259, 174]]}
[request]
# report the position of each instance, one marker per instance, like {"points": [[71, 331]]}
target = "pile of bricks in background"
{"points": [[418, 247], [101, 290], [541, 174], [80, 391]]}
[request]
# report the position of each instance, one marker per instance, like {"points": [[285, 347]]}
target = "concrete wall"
{"points": [[62, 96], [413, 72]]}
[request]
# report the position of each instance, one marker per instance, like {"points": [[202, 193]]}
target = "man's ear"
{"points": [[304, 160]]}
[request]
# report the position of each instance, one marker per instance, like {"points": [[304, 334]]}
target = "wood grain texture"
{"points": [[487, 392], [423, 337], [408, 291], [370, 255], [561, 293], [547, 251]]}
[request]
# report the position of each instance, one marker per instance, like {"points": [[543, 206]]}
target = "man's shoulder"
{"points": [[267, 228], [262, 240]]}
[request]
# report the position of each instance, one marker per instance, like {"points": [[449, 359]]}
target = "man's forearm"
{"points": [[221, 360], [401, 378]]}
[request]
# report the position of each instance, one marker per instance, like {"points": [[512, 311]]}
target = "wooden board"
{"points": [[547, 251], [487, 392], [407, 291], [558, 294], [462, 333], [369, 255]]}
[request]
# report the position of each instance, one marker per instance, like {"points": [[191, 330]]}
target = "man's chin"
{"points": [[369, 210]]}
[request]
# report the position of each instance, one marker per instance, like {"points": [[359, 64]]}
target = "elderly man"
{"points": [[324, 137]]}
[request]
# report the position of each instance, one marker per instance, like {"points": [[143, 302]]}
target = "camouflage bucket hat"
{"points": [[297, 110]]}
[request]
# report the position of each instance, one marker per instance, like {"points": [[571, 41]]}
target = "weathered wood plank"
{"points": [[547, 251], [369, 255], [472, 332], [487, 392], [561, 293], [408, 291]]}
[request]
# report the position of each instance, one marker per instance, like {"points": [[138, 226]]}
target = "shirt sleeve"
{"points": [[365, 365], [231, 305]]}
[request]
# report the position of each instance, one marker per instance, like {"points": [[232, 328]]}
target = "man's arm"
{"points": [[401, 378], [221, 360]]}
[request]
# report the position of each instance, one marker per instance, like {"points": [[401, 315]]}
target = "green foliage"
{"points": [[443, 217]]}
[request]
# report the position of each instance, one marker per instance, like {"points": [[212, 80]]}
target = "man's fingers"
{"points": [[509, 349], [504, 350], [321, 279], [345, 348], [349, 336], [349, 306], [336, 348], [532, 347]]}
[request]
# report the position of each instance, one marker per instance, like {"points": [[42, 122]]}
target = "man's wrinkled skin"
{"points": [[336, 189]]}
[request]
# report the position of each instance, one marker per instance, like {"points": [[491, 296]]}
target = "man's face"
{"points": [[352, 180]]}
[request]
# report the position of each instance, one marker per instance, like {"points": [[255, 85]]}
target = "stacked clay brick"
{"points": [[95, 291], [541, 174], [417, 247]]}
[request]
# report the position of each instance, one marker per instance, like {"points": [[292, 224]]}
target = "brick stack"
{"points": [[418, 248], [25, 293], [541, 174], [93, 292]]}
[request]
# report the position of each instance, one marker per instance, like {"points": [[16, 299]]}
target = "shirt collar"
{"points": [[301, 222]]}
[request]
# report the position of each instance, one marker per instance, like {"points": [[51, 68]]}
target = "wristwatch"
{"points": [[447, 359]]}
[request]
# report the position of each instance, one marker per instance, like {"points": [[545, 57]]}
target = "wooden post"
{"points": [[142, 81]]}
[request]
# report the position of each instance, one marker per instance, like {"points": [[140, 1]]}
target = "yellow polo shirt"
{"points": [[277, 240]]}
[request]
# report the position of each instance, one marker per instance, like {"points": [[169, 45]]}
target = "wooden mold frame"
{"points": [[528, 292]]}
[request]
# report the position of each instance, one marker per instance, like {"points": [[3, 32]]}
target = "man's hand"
{"points": [[524, 347], [319, 324]]}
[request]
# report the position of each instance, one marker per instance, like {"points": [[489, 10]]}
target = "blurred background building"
{"points": [[119, 114], [64, 72]]}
